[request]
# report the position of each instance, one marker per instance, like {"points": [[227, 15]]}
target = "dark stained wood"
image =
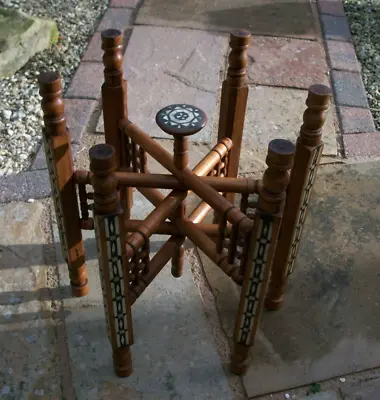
{"points": [[56, 138], [308, 152]]}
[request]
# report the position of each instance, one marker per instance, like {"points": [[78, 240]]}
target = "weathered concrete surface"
{"points": [[165, 66], [29, 348], [369, 390], [322, 396], [328, 326], [174, 355], [277, 113], [275, 17], [21, 37]]}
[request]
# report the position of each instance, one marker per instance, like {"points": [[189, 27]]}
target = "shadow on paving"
{"points": [[329, 325], [278, 18]]}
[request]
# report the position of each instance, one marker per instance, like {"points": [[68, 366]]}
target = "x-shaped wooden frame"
{"points": [[246, 242]]}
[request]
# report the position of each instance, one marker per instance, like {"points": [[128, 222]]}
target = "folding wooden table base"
{"points": [[254, 243]]}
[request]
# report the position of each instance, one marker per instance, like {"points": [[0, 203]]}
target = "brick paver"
{"points": [[348, 88], [116, 18], [87, 81], [342, 56], [286, 62], [356, 120], [335, 28], [124, 3], [331, 7]]}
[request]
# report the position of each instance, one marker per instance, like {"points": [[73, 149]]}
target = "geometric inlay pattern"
{"points": [[98, 241], [302, 211], [251, 300], [116, 276], [56, 198], [181, 119]]}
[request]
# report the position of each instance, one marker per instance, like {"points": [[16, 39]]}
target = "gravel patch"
{"points": [[20, 112], [364, 20]]}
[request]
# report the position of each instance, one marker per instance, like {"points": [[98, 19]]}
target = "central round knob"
{"points": [[181, 119]]}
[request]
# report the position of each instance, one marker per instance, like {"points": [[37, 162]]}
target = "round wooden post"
{"points": [[56, 138], [262, 242], [113, 266], [114, 99], [234, 100], [180, 121], [180, 161], [309, 149]]}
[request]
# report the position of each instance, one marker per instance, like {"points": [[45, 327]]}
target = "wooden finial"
{"points": [[276, 177], [52, 103], [315, 115], [238, 58], [112, 44], [102, 165]]}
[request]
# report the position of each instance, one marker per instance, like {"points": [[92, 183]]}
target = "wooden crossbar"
{"points": [[167, 228], [164, 181], [190, 180], [150, 224]]}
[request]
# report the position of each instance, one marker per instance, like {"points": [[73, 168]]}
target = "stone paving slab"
{"points": [[174, 355], [362, 146], [322, 396], [165, 66], [25, 185], [277, 113], [29, 352], [261, 17], [367, 390], [328, 326], [286, 62]]}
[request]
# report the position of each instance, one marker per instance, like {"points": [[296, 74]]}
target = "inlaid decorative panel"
{"points": [[260, 257], [304, 204]]}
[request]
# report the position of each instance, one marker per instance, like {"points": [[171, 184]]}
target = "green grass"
{"points": [[364, 20]]}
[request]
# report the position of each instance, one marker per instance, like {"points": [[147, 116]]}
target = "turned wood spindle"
{"points": [[113, 266], [114, 100], [180, 121], [309, 149], [234, 100], [57, 143], [258, 255]]}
